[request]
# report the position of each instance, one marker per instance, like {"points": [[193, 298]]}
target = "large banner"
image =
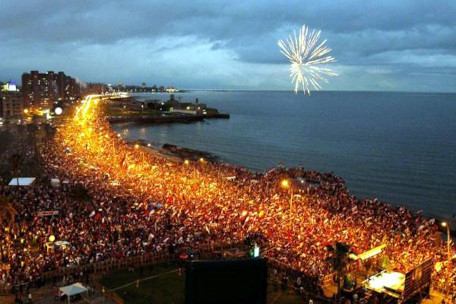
{"points": [[417, 279], [47, 213]]}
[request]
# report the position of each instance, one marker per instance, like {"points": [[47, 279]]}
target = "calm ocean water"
{"points": [[398, 147]]}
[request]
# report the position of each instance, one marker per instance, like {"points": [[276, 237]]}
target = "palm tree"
{"points": [[80, 193], [81, 196], [16, 161], [7, 211], [339, 260]]}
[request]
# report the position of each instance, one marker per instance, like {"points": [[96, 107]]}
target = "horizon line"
{"points": [[182, 90]]}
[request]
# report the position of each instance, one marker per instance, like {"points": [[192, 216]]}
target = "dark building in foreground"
{"points": [[226, 282], [42, 89]]}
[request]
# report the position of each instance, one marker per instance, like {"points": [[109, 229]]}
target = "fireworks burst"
{"points": [[306, 58]]}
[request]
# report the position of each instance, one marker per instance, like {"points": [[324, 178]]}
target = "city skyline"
{"points": [[379, 46]]}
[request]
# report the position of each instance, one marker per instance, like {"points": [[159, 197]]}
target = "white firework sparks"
{"points": [[306, 58]]}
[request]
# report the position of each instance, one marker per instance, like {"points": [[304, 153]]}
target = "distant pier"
{"points": [[154, 119]]}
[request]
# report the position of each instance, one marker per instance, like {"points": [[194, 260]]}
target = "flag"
{"points": [[123, 162], [269, 171], [97, 216]]}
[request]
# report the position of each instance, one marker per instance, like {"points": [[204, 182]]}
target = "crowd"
{"points": [[139, 203]]}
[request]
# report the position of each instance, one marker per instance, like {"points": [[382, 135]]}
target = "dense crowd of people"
{"points": [[118, 200]]}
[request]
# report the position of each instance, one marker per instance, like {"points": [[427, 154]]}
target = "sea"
{"points": [[397, 147]]}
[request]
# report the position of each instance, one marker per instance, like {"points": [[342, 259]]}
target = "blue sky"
{"points": [[392, 45]]}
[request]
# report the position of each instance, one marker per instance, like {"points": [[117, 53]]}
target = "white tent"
{"points": [[55, 182], [21, 181], [72, 290]]}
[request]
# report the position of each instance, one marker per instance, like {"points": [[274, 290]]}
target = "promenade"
{"points": [[123, 202]]}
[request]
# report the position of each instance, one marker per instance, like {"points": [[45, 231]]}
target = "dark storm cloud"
{"points": [[240, 23], [361, 32]]}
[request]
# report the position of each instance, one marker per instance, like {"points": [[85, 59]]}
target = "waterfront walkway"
{"points": [[142, 204]]}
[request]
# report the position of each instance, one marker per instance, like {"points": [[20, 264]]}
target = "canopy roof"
{"points": [[367, 254], [21, 181], [73, 289], [55, 182]]}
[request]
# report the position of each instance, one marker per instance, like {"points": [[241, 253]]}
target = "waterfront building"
{"points": [[171, 90], [12, 102], [188, 108], [40, 90], [95, 88]]}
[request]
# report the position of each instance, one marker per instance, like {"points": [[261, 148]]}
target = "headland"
{"points": [[126, 108]]}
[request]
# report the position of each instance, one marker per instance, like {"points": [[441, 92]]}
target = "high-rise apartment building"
{"points": [[12, 102], [42, 89]]}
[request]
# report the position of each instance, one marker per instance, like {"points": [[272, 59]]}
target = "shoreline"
{"points": [[155, 119], [179, 158], [175, 153], [324, 198]]}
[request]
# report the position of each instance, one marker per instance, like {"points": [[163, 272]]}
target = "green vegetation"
{"points": [[7, 211], [6, 140], [167, 288], [339, 261], [112, 110], [14, 161], [282, 296], [170, 287]]}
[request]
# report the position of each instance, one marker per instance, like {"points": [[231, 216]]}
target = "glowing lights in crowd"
{"points": [[285, 183], [58, 111]]}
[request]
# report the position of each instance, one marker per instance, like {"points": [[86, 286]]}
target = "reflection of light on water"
{"points": [[163, 134], [125, 131], [142, 131]]}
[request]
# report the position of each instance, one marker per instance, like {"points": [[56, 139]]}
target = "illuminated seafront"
{"points": [[210, 203], [384, 145], [120, 202]]}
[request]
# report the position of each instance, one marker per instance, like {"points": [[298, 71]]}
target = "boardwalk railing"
{"points": [[109, 265], [203, 252]]}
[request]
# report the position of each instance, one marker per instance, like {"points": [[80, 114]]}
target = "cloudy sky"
{"points": [[393, 45]]}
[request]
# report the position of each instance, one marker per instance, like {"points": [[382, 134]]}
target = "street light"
{"points": [[447, 225], [286, 184]]}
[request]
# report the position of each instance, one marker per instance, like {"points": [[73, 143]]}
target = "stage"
{"points": [[391, 283]]}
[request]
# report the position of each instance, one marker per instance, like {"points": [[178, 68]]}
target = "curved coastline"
{"points": [[197, 154], [371, 139], [160, 205]]}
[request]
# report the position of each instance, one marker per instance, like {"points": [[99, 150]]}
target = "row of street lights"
{"points": [[447, 225], [287, 184]]}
